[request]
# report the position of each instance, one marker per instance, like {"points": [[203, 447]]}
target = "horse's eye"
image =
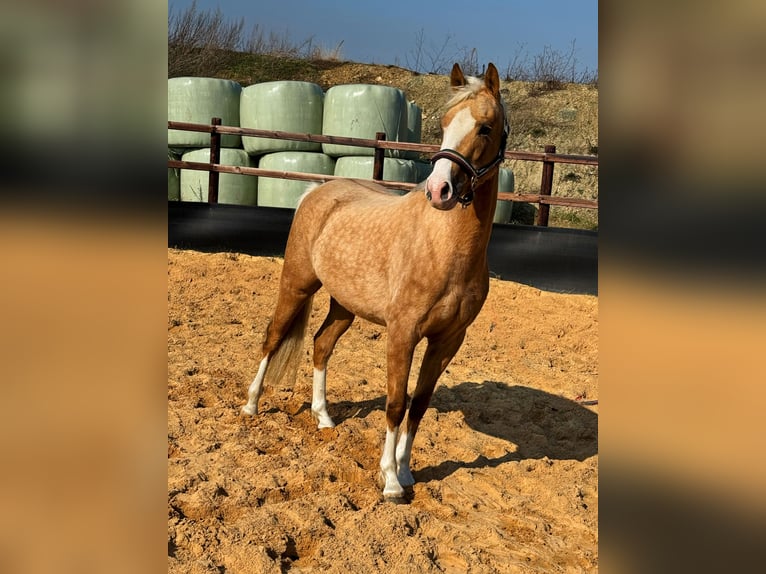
{"points": [[484, 130]]}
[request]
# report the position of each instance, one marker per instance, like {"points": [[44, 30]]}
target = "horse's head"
{"points": [[474, 135]]}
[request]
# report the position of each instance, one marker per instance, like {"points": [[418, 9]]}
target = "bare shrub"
{"points": [[202, 42], [199, 41], [469, 62], [320, 52], [549, 70], [552, 69], [518, 68], [274, 43], [430, 58], [281, 45]]}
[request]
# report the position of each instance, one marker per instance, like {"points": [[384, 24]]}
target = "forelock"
{"points": [[472, 86]]}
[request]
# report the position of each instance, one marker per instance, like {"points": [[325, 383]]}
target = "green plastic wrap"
{"points": [[273, 192], [232, 188], [414, 128], [360, 111], [281, 106], [394, 169], [198, 100], [504, 207]]}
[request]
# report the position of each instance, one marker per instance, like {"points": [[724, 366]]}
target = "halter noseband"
{"points": [[476, 174]]}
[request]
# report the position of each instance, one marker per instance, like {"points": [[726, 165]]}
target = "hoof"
{"points": [[323, 420], [406, 479], [250, 410], [399, 499], [395, 496]]}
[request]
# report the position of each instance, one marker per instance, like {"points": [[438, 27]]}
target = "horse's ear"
{"points": [[492, 80], [457, 79]]}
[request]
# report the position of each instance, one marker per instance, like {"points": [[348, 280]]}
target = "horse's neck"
{"points": [[484, 204], [468, 228]]}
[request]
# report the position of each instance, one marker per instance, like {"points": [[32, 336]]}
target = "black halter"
{"points": [[477, 174]]}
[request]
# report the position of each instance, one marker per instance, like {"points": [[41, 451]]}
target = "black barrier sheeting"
{"points": [[552, 259]]}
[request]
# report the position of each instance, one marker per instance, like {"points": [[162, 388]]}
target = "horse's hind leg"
{"points": [[284, 337], [436, 358], [338, 321], [256, 388]]}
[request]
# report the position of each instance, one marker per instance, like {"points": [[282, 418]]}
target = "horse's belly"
{"points": [[354, 277]]}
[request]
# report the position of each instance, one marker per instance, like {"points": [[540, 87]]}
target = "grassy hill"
{"points": [[565, 115]]}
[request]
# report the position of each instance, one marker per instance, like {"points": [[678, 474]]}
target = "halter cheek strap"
{"points": [[465, 164]]}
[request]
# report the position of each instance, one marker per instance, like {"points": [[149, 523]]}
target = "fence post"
{"points": [[215, 157], [546, 186], [377, 165]]}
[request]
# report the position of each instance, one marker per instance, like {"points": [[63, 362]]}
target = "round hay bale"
{"points": [[198, 100], [423, 169], [274, 192], [360, 111], [281, 106], [503, 211], [414, 128], [504, 208], [507, 181], [232, 188], [394, 169]]}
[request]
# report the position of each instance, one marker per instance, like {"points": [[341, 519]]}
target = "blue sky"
{"points": [[387, 32]]}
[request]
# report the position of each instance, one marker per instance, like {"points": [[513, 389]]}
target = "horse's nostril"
{"points": [[445, 192]]}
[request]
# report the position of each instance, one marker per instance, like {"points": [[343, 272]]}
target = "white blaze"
{"points": [[460, 126]]}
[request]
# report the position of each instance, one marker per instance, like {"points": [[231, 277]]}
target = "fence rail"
{"points": [[549, 158]]}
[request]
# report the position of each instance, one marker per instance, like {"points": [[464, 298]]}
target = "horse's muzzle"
{"points": [[440, 194]]}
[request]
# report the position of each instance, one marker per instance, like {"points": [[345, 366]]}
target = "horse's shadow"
{"points": [[539, 424]]}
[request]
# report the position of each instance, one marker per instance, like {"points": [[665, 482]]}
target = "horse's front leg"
{"points": [[399, 361], [436, 358]]}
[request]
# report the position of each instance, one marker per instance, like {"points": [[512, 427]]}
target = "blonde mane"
{"points": [[472, 86]]}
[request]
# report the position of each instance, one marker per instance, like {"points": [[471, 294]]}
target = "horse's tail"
{"points": [[284, 362]]}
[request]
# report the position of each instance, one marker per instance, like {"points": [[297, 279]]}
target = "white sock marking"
{"points": [[255, 390], [403, 454], [319, 400], [392, 488]]}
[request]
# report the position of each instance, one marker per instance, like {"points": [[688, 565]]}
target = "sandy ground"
{"points": [[506, 459]]}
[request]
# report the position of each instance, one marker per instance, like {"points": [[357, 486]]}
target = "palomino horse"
{"points": [[416, 264]]}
